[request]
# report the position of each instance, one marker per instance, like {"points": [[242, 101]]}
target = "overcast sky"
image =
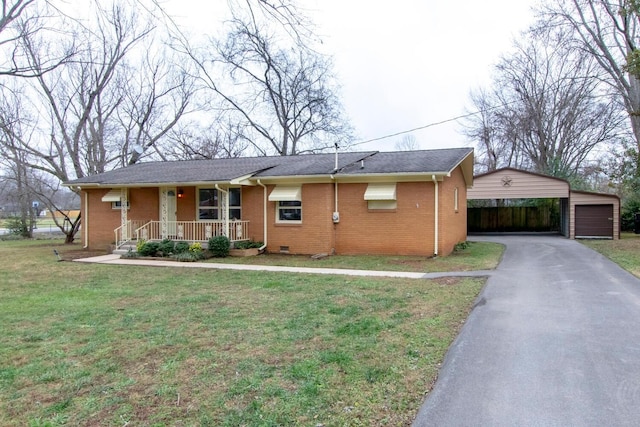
{"points": [[405, 64]]}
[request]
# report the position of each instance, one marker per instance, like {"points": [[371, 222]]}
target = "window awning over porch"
{"points": [[112, 196], [286, 194]]}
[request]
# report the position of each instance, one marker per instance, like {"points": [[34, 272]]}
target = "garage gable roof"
{"points": [[510, 183]]}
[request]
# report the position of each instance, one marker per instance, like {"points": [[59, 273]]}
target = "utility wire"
{"points": [[453, 119]]}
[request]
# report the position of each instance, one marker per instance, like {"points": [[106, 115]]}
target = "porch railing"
{"points": [[125, 232], [192, 231]]}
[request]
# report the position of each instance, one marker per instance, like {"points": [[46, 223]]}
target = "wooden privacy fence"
{"points": [[507, 219]]}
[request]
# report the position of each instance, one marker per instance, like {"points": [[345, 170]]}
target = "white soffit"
{"points": [[112, 196], [286, 194], [380, 192]]}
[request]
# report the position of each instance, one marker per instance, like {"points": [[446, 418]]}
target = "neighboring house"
{"points": [[408, 203]]}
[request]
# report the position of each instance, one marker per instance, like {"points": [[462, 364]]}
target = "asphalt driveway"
{"points": [[554, 340]]}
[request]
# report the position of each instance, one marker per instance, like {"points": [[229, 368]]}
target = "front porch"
{"points": [[188, 231]]}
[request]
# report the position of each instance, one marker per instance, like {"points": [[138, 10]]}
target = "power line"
{"points": [[453, 119]]}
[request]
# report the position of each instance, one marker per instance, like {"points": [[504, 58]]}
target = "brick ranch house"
{"points": [[408, 203]]}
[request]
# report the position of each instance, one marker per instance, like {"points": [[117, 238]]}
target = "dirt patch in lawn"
{"points": [[71, 252]]}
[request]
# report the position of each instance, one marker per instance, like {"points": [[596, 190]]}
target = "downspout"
{"points": [[336, 213], [85, 220], [264, 216], [226, 209], [335, 191], [436, 221]]}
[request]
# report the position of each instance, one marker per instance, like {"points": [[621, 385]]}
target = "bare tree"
{"points": [[608, 31], [407, 143], [13, 132], [218, 140], [89, 113], [285, 96], [545, 111], [155, 97], [11, 10], [21, 19], [489, 127]]}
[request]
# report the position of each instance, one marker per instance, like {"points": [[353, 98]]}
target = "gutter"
{"points": [[435, 243], [85, 221], [264, 216]]}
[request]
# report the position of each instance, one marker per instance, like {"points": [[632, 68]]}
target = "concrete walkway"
{"points": [[553, 340], [115, 259]]}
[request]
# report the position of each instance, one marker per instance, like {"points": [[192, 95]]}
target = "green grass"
{"points": [[87, 344], [624, 252], [476, 256]]}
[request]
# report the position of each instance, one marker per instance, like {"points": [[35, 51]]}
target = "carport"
{"points": [[582, 214]]}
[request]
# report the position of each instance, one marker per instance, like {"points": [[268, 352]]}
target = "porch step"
{"points": [[125, 249]]}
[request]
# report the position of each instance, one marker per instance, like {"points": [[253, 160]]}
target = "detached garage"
{"points": [[582, 214]]}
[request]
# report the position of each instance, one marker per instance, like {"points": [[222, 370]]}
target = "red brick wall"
{"points": [[407, 230], [315, 233], [102, 220], [252, 211], [453, 225], [186, 206], [145, 204]]}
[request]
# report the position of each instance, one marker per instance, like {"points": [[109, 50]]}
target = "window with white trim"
{"points": [[381, 196], [210, 206], [118, 205], [288, 203], [289, 211], [455, 199], [235, 203]]}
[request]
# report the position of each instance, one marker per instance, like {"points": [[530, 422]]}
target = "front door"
{"points": [[168, 212]]}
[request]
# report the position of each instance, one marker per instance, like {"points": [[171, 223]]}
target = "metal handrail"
{"points": [[193, 231]]}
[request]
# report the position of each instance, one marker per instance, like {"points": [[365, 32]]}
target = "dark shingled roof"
{"points": [[225, 170]]}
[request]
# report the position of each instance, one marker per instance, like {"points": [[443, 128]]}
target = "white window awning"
{"points": [[286, 194], [112, 196], [380, 192]]}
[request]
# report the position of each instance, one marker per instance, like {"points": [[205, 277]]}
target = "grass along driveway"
{"points": [[625, 252], [87, 344]]}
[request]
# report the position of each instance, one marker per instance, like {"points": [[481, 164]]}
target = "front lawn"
{"points": [[473, 256], [89, 344]]}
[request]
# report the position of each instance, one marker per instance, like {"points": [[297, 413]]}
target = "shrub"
{"points": [[130, 254], [195, 247], [628, 215], [17, 226], [9, 237], [149, 249], [181, 247], [219, 246], [166, 247], [140, 244], [189, 256], [247, 244], [461, 246]]}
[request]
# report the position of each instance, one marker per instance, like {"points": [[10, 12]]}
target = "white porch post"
{"points": [[124, 222], [164, 212], [223, 197]]}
